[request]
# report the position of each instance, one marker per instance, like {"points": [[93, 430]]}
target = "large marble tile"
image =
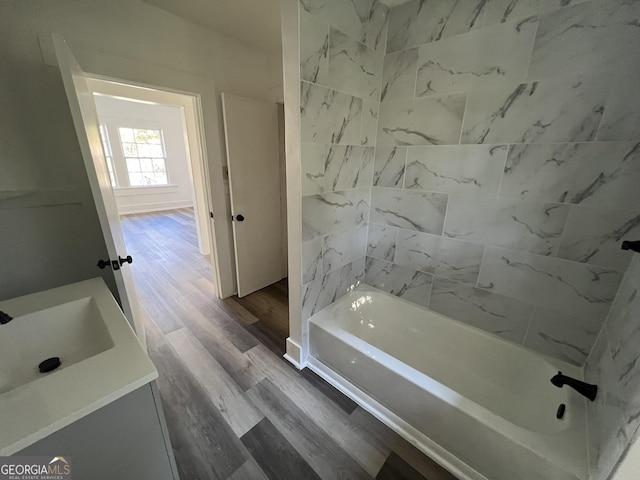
{"points": [[441, 256], [311, 260], [623, 329], [601, 174], [397, 280], [562, 336], [427, 121], [333, 212], [328, 116], [623, 317], [492, 57], [381, 241], [369, 123], [525, 226], [589, 37], [323, 291], [493, 313], [376, 30], [314, 49], [594, 235], [561, 110], [621, 119], [399, 75], [555, 284], [422, 21], [389, 167], [313, 156], [501, 11], [420, 211], [354, 68], [463, 169], [606, 436], [362, 19], [348, 167], [341, 248]]}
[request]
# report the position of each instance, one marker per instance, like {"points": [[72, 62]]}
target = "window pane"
{"points": [[146, 165], [159, 165], [126, 134], [147, 136], [149, 179], [130, 149], [135, 179], [150, 150], [160, 178], [133, 165]]}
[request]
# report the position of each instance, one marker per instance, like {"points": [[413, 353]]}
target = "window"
{"points": [[144, 155], [108, 155]]}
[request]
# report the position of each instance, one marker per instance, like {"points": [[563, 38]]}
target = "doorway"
{"points": [[162, 202]]}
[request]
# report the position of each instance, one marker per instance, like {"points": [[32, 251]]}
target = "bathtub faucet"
{"points": [[585, 389]]}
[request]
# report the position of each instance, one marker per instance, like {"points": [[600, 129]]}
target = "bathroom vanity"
{"points": [[100, 406]]}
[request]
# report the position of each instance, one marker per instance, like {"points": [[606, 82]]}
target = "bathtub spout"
{"points": [[585, 389]]}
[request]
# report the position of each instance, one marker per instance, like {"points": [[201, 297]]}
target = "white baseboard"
{"points": [[293, 355], [153, 207], [430, 448]]}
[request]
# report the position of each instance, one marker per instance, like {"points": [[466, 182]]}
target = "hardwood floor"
{"points": [[235, 409]]}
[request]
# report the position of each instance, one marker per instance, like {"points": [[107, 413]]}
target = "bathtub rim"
{"points": [[422, 442]]}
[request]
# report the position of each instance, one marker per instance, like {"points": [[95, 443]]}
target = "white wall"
{"points": [[52, 245], [115, 113]]}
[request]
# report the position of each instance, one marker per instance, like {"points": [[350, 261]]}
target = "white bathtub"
{"points": [[481, 406]]}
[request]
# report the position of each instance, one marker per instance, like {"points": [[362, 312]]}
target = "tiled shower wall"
{"points": [[613, 365], [341, 55], [507, 168]]}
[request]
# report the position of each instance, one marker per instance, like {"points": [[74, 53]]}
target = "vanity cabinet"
{"points": [[125, 440]]}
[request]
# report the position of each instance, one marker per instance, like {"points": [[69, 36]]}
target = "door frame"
{"points": [[198, 167], [114, 68], [198, 170]]}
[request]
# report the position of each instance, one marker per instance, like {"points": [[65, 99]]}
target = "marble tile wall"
{"points": [[507, 164], [613, 365], [342, 47]]}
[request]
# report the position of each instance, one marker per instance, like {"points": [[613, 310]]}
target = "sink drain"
{"points": [[49, 365]]}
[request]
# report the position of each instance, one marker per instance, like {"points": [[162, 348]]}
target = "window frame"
{"points": [[141, 171]]}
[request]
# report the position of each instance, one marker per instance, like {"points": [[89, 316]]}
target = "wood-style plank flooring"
{"points": [[235, 409]]}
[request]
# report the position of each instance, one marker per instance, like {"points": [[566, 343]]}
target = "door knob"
{"points": [[122, 261], [103, 263], [240, 218]]}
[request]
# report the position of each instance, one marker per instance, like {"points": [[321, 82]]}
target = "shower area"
{"points": [[468, 173]]}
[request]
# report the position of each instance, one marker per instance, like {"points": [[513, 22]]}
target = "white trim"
{"points": [[430, 448], [291, 79], [147, 190], [153, 207], [294, 354]]}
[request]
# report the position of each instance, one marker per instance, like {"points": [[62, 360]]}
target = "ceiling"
{"points": [[256, 22]]}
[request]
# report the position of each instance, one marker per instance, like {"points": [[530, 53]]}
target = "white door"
{"points": [[251, 132], [85, 120]]}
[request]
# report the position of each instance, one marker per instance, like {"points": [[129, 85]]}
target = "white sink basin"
{"points": [[73, 331], [101, 360]]}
